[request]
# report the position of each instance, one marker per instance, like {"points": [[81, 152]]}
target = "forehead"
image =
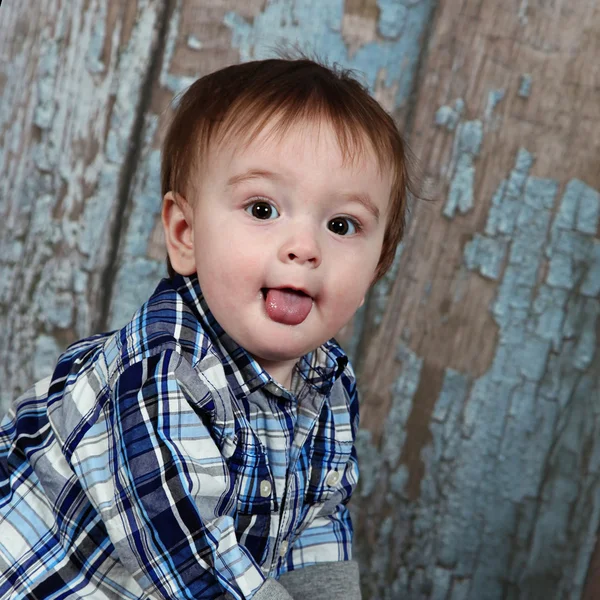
{"points": [[307, 139]]}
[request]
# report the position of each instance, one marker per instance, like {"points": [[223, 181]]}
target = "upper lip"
{"points": [[290, 287]]}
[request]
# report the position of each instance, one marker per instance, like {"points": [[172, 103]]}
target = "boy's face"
{"points": [[281, 213]]}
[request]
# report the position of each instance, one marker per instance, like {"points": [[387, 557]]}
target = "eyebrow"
{"points": [[364, 200], [252, 174]]}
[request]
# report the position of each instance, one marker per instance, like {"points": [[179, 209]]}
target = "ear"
{"points": [[177, 219]]}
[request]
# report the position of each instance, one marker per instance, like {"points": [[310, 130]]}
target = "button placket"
{"points": [[284, 523]]}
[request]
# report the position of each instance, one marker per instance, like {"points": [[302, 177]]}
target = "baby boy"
{"points": [[206, 449]]}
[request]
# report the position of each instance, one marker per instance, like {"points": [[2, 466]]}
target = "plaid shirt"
{"points": [[161, 461]]}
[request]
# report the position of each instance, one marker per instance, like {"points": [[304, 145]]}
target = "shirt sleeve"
{"points": [[157, 477]]}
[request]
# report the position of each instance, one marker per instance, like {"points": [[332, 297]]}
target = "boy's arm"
{"points": [[156, 476]]}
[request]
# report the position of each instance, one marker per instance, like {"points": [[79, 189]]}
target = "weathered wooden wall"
{"points": [[478, 356]]}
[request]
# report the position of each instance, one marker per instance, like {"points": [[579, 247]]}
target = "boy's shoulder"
{"points": [[88, 371], [163, 323]]}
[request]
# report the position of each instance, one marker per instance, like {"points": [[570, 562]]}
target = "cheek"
{"points": [[231, 263], [351, 284], [347, 293]]}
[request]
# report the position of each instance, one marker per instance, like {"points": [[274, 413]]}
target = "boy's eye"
{"points": [[262, 210], [343, 226]]}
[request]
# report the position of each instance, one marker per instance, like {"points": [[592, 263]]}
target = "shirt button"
{"points": [[283, 549], [265, 488], [332, 478]]}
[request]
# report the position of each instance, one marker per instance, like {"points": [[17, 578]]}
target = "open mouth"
{"points": [[286, 305]]}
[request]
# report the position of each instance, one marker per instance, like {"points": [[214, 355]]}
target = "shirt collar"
{"points": [[319, 368]]}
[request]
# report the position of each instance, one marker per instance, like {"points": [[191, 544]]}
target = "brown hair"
{"points": [[240, 99]]}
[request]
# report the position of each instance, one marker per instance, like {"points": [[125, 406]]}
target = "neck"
{"points": [[281, 372]]}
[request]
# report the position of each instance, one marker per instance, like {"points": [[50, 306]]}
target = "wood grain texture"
{"points": [[478, 354], [480, 370], [72, 81]]}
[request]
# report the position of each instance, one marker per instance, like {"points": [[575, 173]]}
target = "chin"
{"points": [[268, 354], [281, 354]]}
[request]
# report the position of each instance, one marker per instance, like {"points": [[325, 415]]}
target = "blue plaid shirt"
{"points": [[161, 461]]}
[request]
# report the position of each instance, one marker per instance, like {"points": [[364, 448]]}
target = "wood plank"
{"points": [[480, 367], [481, 371], [72, 79]]}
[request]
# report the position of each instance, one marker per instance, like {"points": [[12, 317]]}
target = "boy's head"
{"points": [[281, 174]]}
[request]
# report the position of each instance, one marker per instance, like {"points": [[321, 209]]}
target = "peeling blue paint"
{"points": [[91, 236], [63, 298], [59, 308], [485, 255], [580, 208], [448, 116], [134, 261], [398, 480], [589, 209], [46, 83], [194, 43], [495, 439], [392, 17], [494, 98], [174, 83], [93, 58], [549, 316], [469, 137], [446, 412], [587, 344], [531, 325], [404, 390], [467, 147], [46, 351], [591, 282], [573, 252], [318, 28], [369, 460], [506, 200], [442, 581], [525, 86]]}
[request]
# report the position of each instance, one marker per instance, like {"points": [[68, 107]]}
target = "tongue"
{"points": [[287, 306]]}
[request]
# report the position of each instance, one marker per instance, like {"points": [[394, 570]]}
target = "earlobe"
{"points": [[179, 233]]}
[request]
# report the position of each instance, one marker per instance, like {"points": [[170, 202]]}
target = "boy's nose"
{"points": [[301, 248]]}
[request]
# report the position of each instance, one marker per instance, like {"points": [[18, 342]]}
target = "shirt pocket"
{"points": [[327, 484], [254, 489]]}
